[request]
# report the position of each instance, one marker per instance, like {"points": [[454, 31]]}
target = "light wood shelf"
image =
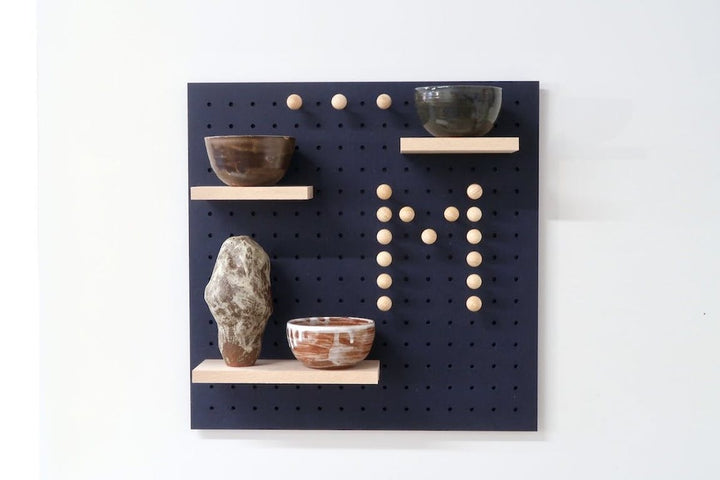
{"points": [[430, 145], [303, 192], [366, 372]]}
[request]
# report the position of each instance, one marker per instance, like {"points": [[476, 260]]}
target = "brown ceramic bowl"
{"points": [[250, 160], [330, 342]]}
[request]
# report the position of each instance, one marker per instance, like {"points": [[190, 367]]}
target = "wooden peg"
{"points": [[384, 191], [473, 281], [384, 236], [384, 259], [451, 214], [339, 101], [384, 214], [474, 259], [474, 236], [384, 303], [474, 191], [384, 281], [294, 102], [474, 214], [428, 236], [473, 303], [384, 101], [407, 214]]}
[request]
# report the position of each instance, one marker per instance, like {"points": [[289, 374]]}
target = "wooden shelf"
{"points": [[252, 193], [430, 145], [285, 371]]}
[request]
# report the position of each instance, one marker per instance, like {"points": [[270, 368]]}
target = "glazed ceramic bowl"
{"points": [[250, 160], [458, 110], [330, 342]]}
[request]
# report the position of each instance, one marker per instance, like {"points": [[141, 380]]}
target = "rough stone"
{"points": [[239, 298]]}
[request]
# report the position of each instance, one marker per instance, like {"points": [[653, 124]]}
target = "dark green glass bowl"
{"points": [[458, 110]]}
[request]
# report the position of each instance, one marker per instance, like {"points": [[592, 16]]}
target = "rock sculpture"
{"points": [[239, 298]]}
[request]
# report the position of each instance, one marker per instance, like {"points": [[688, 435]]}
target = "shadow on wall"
{"points": [[590, 160], [368, 440]]}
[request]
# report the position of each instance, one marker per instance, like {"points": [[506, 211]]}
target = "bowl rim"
{"points": [[462, 86], [284, 137], [295, 324]]}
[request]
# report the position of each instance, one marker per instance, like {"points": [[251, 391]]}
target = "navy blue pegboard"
{"points": [[442, 366]]}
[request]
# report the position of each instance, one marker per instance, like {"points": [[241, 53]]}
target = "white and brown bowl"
{"points": [[330, 342]]}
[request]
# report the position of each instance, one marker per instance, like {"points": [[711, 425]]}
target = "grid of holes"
{"points": [[319, 405], [373, 172]]}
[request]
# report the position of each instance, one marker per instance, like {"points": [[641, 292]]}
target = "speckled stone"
{"points": [[239, 298]]}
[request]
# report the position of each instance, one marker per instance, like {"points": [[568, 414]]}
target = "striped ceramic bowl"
{"points": [[330, 342]]}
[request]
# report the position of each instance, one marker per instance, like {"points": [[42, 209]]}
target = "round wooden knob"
{"points": [[384, 303], [384, 281], [474, 236], [474, 214], [407, 214], [473, 303], [384, 259], [294, 102], [428, 236], [473, 281], [384, 236], [383, 101], [384, 191], [451, 214], [384, 214], [474, 259], [339, 101], [474, 191]]}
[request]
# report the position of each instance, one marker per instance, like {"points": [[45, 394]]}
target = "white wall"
{"points": [[19, 309], [630, 212]]}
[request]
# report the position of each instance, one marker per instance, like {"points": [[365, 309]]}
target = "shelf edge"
{"points": [[270, 371], [302, 192], [458, 145]]}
